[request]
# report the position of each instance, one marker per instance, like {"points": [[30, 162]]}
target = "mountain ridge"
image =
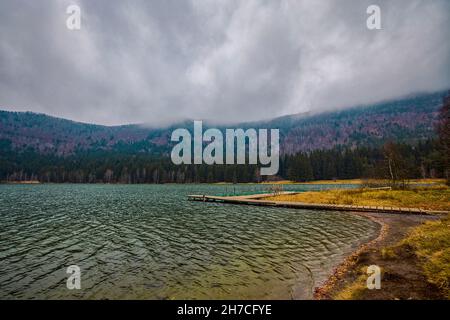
{"points": [[406, 120]]}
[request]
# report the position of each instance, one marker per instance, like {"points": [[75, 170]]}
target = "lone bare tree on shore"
{"points": [[395, 164]]}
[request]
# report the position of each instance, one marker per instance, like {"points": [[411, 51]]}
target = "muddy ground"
{"points": [[402, 276]]}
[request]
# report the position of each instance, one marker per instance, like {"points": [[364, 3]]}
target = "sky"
{"points": [[227, 61]]}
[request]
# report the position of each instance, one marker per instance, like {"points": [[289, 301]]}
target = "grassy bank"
{"points": [[359, 182], [414, 259], [340, 181], [417, 266], [431, 244], [428, 198]]}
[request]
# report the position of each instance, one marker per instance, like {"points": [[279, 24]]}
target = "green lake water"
{"points": [[149, 242]]}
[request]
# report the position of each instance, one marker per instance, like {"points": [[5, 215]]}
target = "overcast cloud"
{"points": [[225, 60]]}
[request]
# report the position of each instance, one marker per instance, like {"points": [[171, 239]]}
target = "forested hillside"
{"points": [[420, 161], [407, 120], [345, 144]]}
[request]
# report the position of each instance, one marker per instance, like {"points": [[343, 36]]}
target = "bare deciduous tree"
{"points": [[395, 165]]}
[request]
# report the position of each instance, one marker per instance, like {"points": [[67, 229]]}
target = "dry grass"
{"points": [[429, 198], [358, 181], [431, 244], [348, 181], [354, 290]]}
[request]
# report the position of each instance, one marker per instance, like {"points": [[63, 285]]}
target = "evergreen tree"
{"points": [[444, 136]]}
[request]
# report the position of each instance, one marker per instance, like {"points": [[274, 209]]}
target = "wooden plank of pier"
{"points": [[256, 201]]}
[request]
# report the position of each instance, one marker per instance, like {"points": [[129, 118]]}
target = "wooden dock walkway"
{"points": [[258, 200]]}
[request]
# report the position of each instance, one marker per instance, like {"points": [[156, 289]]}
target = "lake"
{"points": [[149, 242]]}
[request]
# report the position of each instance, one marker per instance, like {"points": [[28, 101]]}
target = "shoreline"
{"points": [[324, 290], [259, 200], [401, 271], [412, 182], [402, 267], [393, 228]]}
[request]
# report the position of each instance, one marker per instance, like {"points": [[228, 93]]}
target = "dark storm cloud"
{"points": [[160, 61]]}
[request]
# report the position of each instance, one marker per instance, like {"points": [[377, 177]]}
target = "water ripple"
{"points": [[148, 242]]}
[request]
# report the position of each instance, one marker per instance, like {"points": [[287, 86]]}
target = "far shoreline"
{"points": [[360, 181]]}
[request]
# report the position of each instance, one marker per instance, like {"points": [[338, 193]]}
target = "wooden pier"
{"points": [[258, 200]]}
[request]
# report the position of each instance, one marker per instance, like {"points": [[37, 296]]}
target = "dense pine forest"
{"points": [[423, 160], [398, 140]]}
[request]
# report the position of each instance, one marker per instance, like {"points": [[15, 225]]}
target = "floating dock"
{"points": [[258, 200]]}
